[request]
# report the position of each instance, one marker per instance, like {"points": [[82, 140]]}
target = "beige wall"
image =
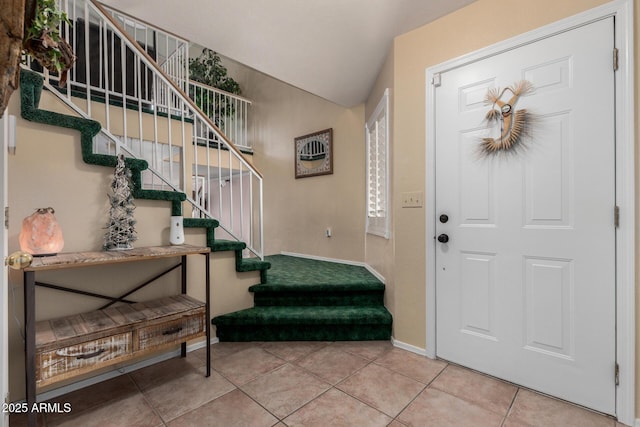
{"points": [[297, 211]]}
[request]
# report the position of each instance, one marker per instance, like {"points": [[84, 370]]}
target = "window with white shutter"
{"points": [[377, 135]]}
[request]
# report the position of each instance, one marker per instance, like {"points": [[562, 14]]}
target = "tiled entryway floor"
{"points": [[365, 383]]}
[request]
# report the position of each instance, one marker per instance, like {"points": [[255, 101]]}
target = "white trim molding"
{"points": [[622, 11], [377, 164], [409, 347]]}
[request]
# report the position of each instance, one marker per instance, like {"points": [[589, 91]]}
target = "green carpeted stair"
{"points": [[310, 300], [31, 85]]}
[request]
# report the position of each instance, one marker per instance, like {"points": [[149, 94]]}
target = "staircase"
{"points": [[310, 300], [299, 299], [31, 85], [132, 78]]}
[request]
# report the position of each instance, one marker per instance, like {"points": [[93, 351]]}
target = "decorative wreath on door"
{"points": [[514, 124]]}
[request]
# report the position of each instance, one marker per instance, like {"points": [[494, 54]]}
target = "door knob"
{"points": [[444, 218], [443, 238], [18, 260]]}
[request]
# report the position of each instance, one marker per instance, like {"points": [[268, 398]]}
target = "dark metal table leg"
{"points": [[30, 342], [183, 346], [208, 310]]}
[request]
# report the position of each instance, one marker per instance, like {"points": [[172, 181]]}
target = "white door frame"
{"points": [[4, 281], [622, 10]]}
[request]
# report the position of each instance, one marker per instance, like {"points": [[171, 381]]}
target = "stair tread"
{"points": [[292, 271], [200, 222], [316, 287], [252, 264], [308, 315], [220, 245], [160, 195]]}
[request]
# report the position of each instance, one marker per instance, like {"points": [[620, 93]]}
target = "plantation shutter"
{"points": [[377, 135]]}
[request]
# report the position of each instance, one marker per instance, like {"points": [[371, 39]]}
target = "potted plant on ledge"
{"points": [[207, 69]]}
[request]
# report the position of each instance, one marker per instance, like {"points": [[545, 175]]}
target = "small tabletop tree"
{"points": [[120, 228]]}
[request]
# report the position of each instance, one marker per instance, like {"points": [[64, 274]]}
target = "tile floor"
{"points": [[367, 383]]}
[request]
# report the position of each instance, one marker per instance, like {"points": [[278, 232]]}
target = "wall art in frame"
{"points": [[314, 154]]}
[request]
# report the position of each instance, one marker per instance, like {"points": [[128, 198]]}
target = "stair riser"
{"points": [[304, 333], [373, 298]]}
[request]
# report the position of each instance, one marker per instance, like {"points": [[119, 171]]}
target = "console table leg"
{"points": [[183, 284], [30, 342], [207, 285]]}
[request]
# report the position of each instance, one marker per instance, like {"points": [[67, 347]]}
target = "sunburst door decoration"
{"points": [[514, 124]]}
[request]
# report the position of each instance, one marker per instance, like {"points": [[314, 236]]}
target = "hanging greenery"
{"points": [[120, 228], [207, 69], [44, 42]]}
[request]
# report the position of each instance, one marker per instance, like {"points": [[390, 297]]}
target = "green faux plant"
{"points": [[43, 40], [207, 69]]}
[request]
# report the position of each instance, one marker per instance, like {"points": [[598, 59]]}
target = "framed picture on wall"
{"points": [[314, 154]]}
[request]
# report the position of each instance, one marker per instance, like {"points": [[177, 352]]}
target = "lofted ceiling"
{"points": [[331, 48]]}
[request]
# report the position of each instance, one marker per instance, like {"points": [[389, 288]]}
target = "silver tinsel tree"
{"points": [[120, 229]]}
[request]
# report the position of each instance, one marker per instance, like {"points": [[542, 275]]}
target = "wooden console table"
{"points": [[59, 349]]}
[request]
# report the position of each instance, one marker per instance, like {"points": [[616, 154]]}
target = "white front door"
{"points": [[526, 283], [4, 287]]}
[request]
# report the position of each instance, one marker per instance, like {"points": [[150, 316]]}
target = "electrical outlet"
{"points": [[413, 199]]}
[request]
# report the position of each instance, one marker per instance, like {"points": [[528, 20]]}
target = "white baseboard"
{"points": [[409, 347], [375, 273], [338, 261], [118, 371]]}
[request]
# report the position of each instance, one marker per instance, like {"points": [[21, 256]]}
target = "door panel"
{"points": [[477, 196], [525, 287], [548, 312], [478, 289], [548, 176]]}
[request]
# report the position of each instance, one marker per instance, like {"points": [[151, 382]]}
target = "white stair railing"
{"points": [[228, 111], [170, 52], [146, 113]]}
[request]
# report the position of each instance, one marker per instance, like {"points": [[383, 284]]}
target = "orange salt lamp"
{"points": [[41, 234]]}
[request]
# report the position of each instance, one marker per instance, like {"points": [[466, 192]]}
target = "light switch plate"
{"points": [[413, 199]]}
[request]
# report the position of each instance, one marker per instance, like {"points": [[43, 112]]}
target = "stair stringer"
{"points": [[31, 86]]}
